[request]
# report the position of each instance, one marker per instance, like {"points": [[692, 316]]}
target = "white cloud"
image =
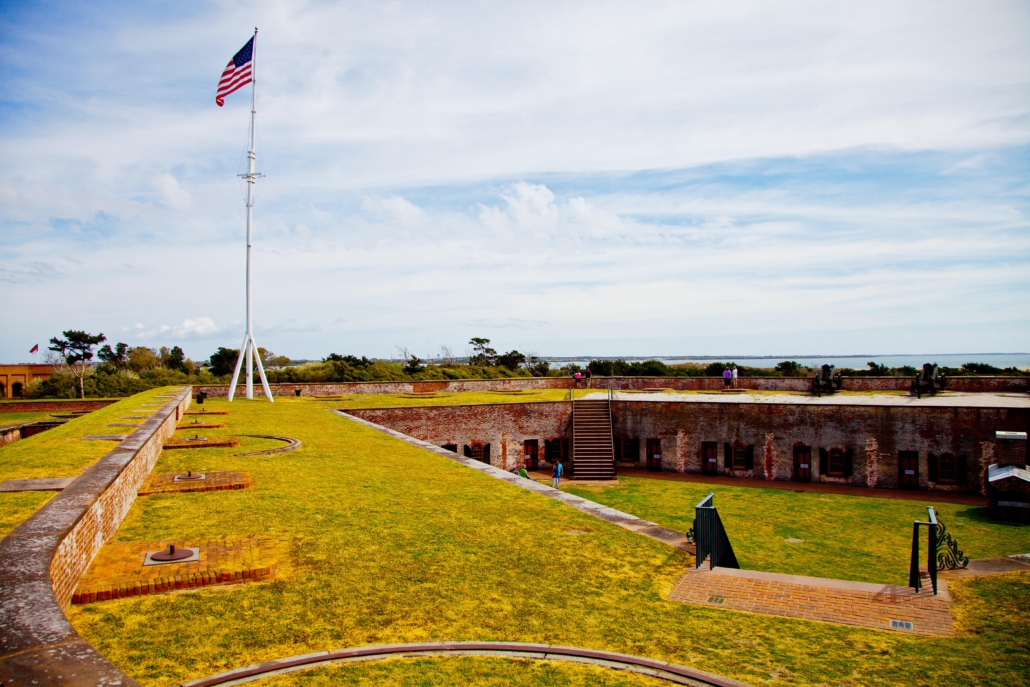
{"points": [[437, 168]]}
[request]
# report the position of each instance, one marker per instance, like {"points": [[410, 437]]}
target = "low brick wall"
{"points": [[11, 433], [799, 384], [42, 561], [61, 406]]}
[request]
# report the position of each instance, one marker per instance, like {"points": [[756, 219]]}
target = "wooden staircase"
{"points": [[592, 452]]}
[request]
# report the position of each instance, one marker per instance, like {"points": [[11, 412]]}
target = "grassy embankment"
{"points": [[381, 542], [59, 452], [845, 537]]}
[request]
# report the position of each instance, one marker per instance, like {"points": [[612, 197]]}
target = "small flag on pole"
{"points": [[238, 73], [35, 349]]}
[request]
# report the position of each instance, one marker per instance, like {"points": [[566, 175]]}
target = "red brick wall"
{"points": [[503, 425], [69, 406], [802, 384], [874, 434]]}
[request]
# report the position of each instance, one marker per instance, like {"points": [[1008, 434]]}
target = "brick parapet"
{"points": [[796, 384], [42, 561], [43, 406]]}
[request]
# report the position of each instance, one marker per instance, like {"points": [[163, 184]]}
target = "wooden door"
{"points": [[802, 463], [531, 452], [654, 455], [908, 470], [709, 458]]}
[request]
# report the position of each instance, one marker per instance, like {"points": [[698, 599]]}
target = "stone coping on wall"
{"points": [[42, 561]]}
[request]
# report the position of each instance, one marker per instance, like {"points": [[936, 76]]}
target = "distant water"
{"points": [[857, 362]]}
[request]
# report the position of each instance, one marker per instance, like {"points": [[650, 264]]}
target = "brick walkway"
{"points": [[118, 569], [164, 482], [931, 496], [813, 598]]}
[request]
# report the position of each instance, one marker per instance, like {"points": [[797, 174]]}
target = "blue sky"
{"points": [[562, 178]]}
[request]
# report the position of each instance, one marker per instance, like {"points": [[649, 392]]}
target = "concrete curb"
{"points": [[662, 670]]}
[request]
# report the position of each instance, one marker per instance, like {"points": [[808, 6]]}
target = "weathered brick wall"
{"points": [[70, 406], [801, 384], [340, 388], [10, 434], [503, 425], [874, 434], [42, 561]]}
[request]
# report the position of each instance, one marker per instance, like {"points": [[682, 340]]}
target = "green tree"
{"points": [[117, 358], [142, 359], [175, 360], [789, 368], [223, 361], [511, 360], [77, 350], [482, 354]]}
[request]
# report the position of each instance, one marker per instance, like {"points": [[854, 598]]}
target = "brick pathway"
{"points": [[164, 482], [118, 569], [813, 598]]}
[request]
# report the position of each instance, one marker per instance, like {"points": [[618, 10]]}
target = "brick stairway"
{"points": [[592, 451]]}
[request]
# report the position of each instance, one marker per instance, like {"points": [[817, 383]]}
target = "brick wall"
{"points": [[42, 561], [503, 425], [69, 406], [872, 434], [801, 384]]}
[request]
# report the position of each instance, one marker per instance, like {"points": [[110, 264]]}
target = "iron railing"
{"points": [[941, 552], [710, 536]]}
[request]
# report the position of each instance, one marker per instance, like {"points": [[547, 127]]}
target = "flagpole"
{"points": [[249, 350]]}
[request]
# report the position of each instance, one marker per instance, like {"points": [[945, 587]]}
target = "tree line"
{"points": [[121, 370]]}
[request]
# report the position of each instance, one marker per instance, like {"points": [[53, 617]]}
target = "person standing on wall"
{"points": [[734, 376], [727, 377]]}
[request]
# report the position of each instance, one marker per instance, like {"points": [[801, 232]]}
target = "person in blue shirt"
{"points": [[556, 474]]}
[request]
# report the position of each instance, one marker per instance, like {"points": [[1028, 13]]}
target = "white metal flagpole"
{"points": [[249, 349]]}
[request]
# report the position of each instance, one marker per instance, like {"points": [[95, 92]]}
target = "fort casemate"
{"points": [[381, 533]]}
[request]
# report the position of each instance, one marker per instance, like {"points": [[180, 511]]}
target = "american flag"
{"points": [[237, 73]]}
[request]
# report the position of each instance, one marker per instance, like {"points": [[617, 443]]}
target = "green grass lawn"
{"points": [[382, 542], [58, 452], [845, 537]]}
